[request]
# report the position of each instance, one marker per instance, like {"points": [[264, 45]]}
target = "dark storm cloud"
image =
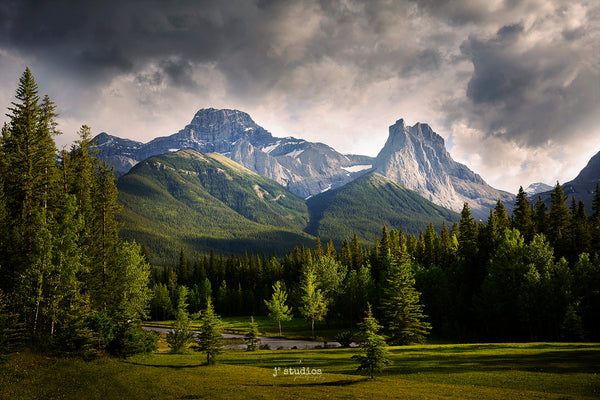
{"points": [[92, 37], [531, 94], [97, 39], [498, 76]]}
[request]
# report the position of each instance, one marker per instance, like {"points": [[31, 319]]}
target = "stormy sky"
{"points": [[513, 86]]}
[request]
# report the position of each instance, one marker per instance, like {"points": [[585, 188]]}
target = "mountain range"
{"points": [[414, 157], [203, 202], [225, 183]]}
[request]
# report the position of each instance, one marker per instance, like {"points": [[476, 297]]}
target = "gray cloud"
{"points": [[532, 94], [518, 72]]}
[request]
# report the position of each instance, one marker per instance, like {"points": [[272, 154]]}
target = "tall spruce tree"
{"points": [[402, 313], [523, 216], [540, 217], [373, 355], [209, 337], [558, 221], [31, 197], [180, 334]]}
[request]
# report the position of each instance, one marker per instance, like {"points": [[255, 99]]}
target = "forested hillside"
{"points": [[364, 205], [206, 201]]}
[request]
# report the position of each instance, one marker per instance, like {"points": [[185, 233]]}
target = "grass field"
{"points": [[475, 371]]}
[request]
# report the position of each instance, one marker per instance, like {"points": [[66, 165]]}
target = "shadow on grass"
{"points": [[559, 362], [340, 383], [169, 366]]}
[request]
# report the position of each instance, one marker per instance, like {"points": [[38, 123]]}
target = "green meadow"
{"points": [[473, 371]]}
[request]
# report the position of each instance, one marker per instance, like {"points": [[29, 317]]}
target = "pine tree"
{"points": [[278, 310], [251, 338], [579, 232], [402, 313], [540, 217], [558, 219], [209, 337], [373, 355], [523, 216], [345, 255], [356, 252], [180, 334], [104, 244], [431, 250], [30, 198], [358, 289], [467, 239], [67, 266], [501, 217]]}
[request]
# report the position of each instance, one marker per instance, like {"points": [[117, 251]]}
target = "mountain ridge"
{"points": [[305, 168], [415, 157]]}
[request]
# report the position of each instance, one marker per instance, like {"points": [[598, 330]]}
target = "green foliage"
{"points": [[402, 312], [160, 305], [180, 334], [69, 280], [278, 310], [209, 337], [12, 331], [251, 338], [314, 303], [345, 338], [131, 339], [131, 292], [558, 221], [373, 355]]}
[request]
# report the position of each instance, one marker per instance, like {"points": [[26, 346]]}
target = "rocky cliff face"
{"points": [[416, 158], [304, 168]]}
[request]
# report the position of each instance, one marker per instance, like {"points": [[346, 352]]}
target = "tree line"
{"points": [[534, 275], [67, 282]]}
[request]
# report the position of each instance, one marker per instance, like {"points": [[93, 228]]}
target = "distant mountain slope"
{"points": [[364, 205], [207, 201], [305, 168], [416, 158], [583, 187]]}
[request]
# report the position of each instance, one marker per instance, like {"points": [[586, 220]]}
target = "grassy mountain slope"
{"points": [[364, 205], [206, 201]]}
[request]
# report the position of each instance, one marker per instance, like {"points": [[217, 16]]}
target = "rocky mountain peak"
{"points": [[210, 124], [416, 158]]}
